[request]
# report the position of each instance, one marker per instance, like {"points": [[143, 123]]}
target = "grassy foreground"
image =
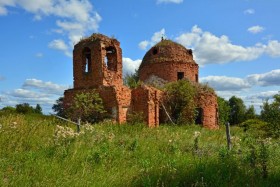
{"points": [[43, 151]]}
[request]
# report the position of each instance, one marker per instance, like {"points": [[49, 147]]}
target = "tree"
{"points": [[38, 109], [250, 113], [132, 80], [58, 108], [87, 106], [270, 113], [24, 108], [179, 100], [224, 111], [237, 110]]}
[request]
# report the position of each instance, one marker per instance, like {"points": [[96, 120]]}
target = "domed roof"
{"points": [[167, 51]]}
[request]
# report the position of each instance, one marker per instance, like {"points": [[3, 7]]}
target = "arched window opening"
{"points": [[196, 77], [87, 60], [155, 51], [180, 75], [199, 116], [110, 59]]}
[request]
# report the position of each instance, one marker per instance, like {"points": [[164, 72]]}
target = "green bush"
{"points": [[255, 127], [88, 107]]}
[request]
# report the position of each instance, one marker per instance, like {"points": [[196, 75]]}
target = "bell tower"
{"points": [[97, 61]]}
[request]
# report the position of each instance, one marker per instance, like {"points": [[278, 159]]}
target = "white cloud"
{"points": [[129, 65], [60, 45], [143, 45], [256, 29], [262, 95], [223, 83], [273, 48], [170, 1], [76, 18], [23, 93], [211, 49], [34, 92], [46, 87], [271, 78], [249, 11], [157, 36]]}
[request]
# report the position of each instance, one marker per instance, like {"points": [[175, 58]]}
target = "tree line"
{"points": [[24, 108]]}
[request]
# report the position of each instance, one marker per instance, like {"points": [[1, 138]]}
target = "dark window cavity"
{"points": [[180, 75]]}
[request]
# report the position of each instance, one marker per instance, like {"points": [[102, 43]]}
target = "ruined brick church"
{"points": [[97, 62]]}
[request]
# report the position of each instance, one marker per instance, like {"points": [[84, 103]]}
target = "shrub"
{"points": [[88, 107], [255, 127], [179, 100]]}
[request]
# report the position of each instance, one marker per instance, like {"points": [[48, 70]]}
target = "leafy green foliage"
{"points": [[8, 110], [237, 110], [250, 113], [270, 113], [132, 80], [179, 100], [88, 107], [25, 108], [224, 111], [38, 109], [135, 118], [58, 107], [255, 127]]}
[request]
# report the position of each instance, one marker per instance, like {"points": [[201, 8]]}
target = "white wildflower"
{"points": [[196, 134]]}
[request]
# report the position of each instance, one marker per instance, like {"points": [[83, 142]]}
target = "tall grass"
{"points": [[43, 151]]}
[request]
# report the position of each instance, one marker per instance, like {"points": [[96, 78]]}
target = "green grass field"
{"points": [[44, 151]]}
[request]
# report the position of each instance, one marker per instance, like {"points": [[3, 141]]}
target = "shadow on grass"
{"points": [[205, 174]]}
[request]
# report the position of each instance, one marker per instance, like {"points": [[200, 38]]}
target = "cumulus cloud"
{"points": [[271, 78], [223, 83], [76, 18], [143, 45], [129, 65], [46, 87], [211, 49], [249, 11], [33, 91], [273, 48], [23, 93], [60, 45], [256, 29], [170, 1], [262, 95], [154, 39]]}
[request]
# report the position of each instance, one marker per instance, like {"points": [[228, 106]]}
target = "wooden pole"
{"points": [[78, 125], [167, 114], [228, 136]]}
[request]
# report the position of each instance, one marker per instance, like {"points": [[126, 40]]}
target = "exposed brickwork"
{"points": [[166, 59], [208, 103], [97, 63], [97, 47], [97, 66], [145, 100]]}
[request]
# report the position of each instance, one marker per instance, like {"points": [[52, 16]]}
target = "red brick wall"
{"points": [[208, 102], [168, 71], [145, 100], [99, 73]]}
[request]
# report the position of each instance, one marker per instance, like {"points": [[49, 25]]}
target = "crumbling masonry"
{"points": [[97, 62]]}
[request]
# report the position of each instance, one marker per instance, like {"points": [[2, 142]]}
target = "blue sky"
{"points": [[235, 42]]}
